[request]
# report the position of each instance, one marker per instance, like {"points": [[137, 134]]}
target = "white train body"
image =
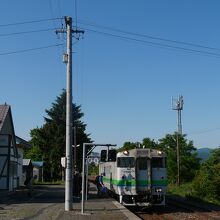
{"points": [[137, 176]]}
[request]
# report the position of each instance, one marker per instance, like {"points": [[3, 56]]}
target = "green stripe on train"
{"points": [[134, 182]]}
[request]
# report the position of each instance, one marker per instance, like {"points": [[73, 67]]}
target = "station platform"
{"points": [[47, 202], [99, 207]]}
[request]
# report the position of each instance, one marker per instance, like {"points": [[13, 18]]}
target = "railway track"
{"points": [[178, 208]]}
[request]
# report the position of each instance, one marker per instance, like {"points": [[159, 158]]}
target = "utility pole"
{"points": [[67, 58], [178, 106]]}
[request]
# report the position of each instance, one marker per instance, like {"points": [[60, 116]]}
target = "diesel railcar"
{"points": [[137, 177]]}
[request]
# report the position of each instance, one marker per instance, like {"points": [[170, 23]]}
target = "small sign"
{"points": [[63, 162], [143, 153], [94, 160]]}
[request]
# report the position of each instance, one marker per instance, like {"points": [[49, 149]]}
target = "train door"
{"points": [[159, 176], [143, 180], [159, 179]]}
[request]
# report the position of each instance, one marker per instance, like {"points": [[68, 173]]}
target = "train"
{"points": [[137, 177]]}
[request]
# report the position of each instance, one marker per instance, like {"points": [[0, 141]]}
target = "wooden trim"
{"points": [[3, 168], [8, 171], [4, 146]]}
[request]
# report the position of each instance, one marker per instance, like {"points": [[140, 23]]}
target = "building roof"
{"points": [[22, 143], [4, 109], [26, 162], [38, 163], [94, 154]]}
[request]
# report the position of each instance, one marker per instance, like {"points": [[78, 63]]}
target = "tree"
{"points": [[127, 146], [149, 143], [93, 169], [146, 142], [189, 163], [34, 153], [207, 180], [50, 138]]}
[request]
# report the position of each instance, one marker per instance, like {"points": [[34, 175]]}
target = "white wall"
{"points": [[20, 164]]}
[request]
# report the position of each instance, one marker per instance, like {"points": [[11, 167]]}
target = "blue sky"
{"points": [[124, 86]]}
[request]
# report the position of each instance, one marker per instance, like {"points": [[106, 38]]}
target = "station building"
{"points": [[8, 150], [11, 152]]}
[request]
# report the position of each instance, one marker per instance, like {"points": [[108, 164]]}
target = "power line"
{"points": [[203, 132], [148, 36], [30, 49], [29, 22], [27, 32], [61, 37], [151, 43]]}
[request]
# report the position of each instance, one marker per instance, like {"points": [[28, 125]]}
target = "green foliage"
{"points": [[127, 146], [184, 190], [149, 143], [93, 169], [187, 190], [48, 141], [34, 153], [189, 163], [207, 180]]}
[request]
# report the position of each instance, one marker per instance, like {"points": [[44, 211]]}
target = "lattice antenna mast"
{"points": [[177, 104]]}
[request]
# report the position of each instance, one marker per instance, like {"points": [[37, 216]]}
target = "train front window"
{"points": [[142, 163], [157, 162], [125, 162]]}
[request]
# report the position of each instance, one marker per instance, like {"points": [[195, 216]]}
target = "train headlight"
{"points": [[159, 152], [158, 190], [125, 152]]}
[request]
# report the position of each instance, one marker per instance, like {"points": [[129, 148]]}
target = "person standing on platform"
{"points": [[99, 183]]}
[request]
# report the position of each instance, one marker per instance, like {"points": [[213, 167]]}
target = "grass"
{"points": [[183, 190], [186, 190]]}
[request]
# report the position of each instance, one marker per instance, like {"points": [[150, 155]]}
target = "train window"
{"points": [[103, 155], [112, 155], [157, 162], [142, 163], [125, 162]]}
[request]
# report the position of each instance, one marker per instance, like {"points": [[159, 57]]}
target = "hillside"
{"points": [[204, 153]]}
